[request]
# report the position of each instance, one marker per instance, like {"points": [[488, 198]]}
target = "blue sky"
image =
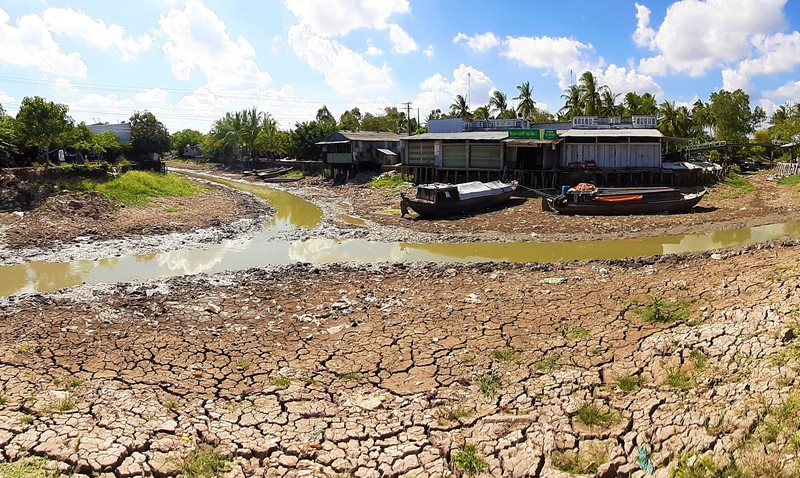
{"points": [[191, 61]]}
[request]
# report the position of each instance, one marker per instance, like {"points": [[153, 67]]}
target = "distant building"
{"points": [[355, 147], [612, 143], [122, 130]]}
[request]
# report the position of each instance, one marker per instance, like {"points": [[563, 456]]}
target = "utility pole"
{"points": [[408, 116]]}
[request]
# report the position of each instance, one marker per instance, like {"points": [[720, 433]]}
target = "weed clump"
{"points": [[468, 461]]}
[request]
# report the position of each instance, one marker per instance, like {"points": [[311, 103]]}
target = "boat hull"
{"points": [[625, 204], [430, 209]]}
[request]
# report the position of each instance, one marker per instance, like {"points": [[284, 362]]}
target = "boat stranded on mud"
{"points": [[589, 200], [440, 200]]}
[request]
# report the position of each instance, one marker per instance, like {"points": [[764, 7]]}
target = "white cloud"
{"points": [[698, 35], [196, 39], [345, 70], [101, 108], [338, 17], [153, 95], [429, 52], [790, 90], [401, 41], [66, 21], [439, 92], [644, 35], [733, 80], [656, 65], [5, 98], [30, 44], [62, 86], [623, 80], [559, 55], [372, 50], [478, 42], [778, 53]]}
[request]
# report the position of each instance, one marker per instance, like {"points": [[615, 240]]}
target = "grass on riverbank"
{"points": [[137, 187], [792, 180], [739, 185], [391, 182]]}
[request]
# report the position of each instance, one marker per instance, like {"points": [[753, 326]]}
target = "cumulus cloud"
{"points": [[623, 80], [644, 35], [372, 50], [62, 86], [733, 80], [698, 35], [344, 70], [559, 55], [29, 43], [429, 52], [66, 21], [790, 90], [478, 42], [197, 40], [777, 53], [338, 17], [401, 40], [437, 91]]}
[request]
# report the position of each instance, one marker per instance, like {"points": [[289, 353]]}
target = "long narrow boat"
{"points": [[586, 200], [441, 200], [273, 172]]}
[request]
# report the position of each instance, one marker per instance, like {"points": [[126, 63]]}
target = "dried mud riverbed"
{"points": [[396, 370]]}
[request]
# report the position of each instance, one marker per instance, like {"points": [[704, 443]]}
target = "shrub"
{"points": [[659, 310], [467, 460]]}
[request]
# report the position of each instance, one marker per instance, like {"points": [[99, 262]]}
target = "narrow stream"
{"points": [[264, 250]]}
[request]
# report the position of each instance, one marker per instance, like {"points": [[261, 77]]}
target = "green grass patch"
{"points": [[576, 333], [504, 354], [137, 187], [592, 415], [699, 359], [792, 180], [30, 467], [352, 377], [489, 383], [679, 380], [203, 462], [281, 382], [657, 310], [296, 174], [468, 461], [630, 384], [391, 181], [547, 364], [739, 185]]}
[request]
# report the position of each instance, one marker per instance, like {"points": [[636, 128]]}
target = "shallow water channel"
{"points": [[263, 249]]}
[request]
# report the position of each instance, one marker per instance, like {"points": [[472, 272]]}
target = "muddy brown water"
{"points": [[291, 211]]}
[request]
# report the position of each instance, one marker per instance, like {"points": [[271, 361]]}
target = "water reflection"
{"points": [[263, 250]]}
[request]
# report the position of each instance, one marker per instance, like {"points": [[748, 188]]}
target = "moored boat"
{"points": [[587, 200], [441, 199]]}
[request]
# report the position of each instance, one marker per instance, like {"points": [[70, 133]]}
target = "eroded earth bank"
{"points": [[414, 370]]}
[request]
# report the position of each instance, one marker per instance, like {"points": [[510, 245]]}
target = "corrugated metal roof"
{"points": [[472, 135], [370, 135], [387, 152], [615, 133]]}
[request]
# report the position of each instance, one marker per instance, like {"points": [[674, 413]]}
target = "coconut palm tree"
{"points": [[591, 93], [526, 106], [572, 103], [459, 108], [608, 106], [498, 103]]}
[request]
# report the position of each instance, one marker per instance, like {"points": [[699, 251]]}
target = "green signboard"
{"points": [[550, 134], [524, 134]]}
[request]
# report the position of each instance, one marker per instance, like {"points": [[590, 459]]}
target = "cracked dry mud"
{"points": [[390, 370]]}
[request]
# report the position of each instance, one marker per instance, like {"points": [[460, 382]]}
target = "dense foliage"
{"points": [[148, 135]]}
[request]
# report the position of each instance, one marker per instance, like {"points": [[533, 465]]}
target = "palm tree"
{"points": [[648, 104], [434, 115], [572, 103], [608, 106], [498, 102], [590, 93], [459, 108], [702, 118], [481, 112], [526, 106]]}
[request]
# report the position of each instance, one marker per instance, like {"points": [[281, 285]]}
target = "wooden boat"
{"points": [[587, 200], [281, 180], [273, 172], [440, 200]]}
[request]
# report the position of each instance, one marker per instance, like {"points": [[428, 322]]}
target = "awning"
{"points": [[528, 142], [387, 152]]}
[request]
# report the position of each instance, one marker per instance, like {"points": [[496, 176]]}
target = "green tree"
{"points": [[608, 103], [572, 103], [42, 123], [9, 140], [184, 138], [459, 108], [525, 106], [591, 93], [498, 103], [732, 116], [325, 118], [305, 135], [433, 115], [481, 112], [350, 120], [148, 135], [785, 123]]}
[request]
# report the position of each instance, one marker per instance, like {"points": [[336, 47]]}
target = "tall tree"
{"points": [[148, 135], [591, 93], [42, 123], [572, 103], [525, 106], [459, 108], [184, 138], [498, 103], [481, 112], [732, 116], [608, 103], [350, 120], [325, 118]]}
